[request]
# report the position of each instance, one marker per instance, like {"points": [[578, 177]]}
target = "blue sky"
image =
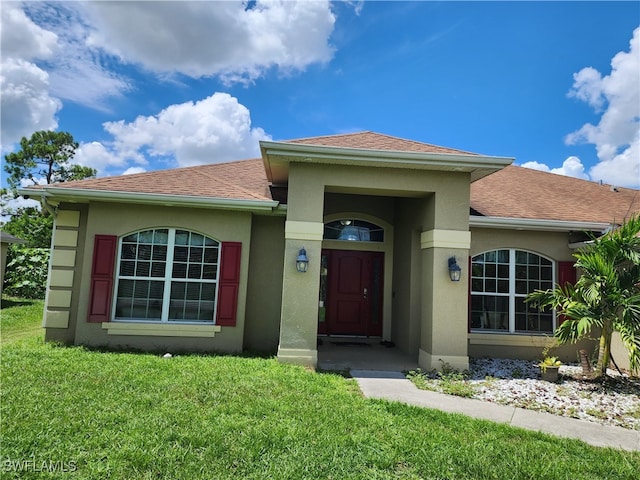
{"points": [[153, 85]]}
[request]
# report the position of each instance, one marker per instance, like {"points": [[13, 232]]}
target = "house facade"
{"points": [[204, 259]]}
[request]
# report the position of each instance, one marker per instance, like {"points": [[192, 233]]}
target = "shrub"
{"points": [[26, 272]]}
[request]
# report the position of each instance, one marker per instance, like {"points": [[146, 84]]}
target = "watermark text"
{"points": [[33, 464]]}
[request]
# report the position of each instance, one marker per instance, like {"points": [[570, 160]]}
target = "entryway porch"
{"points": [[358, 353]]}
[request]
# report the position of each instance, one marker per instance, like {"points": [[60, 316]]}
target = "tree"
{"points": [[31, 226], [27, 265], [606, 297], [45, 155]]}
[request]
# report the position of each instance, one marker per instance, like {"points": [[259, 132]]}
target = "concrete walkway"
{"points": [[390, 385]]}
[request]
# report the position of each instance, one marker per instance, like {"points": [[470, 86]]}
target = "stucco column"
{"points": [[299, 317], [444, 322], [303, 228]]}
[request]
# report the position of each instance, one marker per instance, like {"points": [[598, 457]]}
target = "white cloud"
{"points": [[571, 167], [212, 130], [357, 5], [617, 135], [98, 156], [14, 204], [623, 169], [78, 43], [201, 39], [86, 83], [60, 51], [25, 103], [21, 202], [77, 72], [30, 182], [587, 87], [21, 38], [134, 170], [44, 59]]}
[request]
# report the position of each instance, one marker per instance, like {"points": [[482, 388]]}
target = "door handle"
{"points": [[365, 293]]}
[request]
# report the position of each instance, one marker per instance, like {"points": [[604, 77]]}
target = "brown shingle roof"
{"points": [[376, 141], [519, 192], [513, 192], [242, 180]]}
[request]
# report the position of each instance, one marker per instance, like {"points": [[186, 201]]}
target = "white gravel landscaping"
{"points": [[518, 383]]}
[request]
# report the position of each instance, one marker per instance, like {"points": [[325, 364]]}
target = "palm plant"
{"points": [[606, 297]]}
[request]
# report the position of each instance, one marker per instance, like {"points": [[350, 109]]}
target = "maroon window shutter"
{"points": [[104, 257], [228, 284], [566, 274]]}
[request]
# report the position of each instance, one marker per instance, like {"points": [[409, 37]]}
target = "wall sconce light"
{"points": [[302, 262], [454, 270]]}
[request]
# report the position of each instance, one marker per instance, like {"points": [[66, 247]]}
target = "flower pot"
{"points": [[549, 373]]}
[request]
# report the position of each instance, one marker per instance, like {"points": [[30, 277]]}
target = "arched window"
{"points": [[353, 231], [167, 275], [500, 281]]}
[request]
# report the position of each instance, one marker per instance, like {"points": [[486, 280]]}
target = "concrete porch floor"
{"points": [[353, 353]]}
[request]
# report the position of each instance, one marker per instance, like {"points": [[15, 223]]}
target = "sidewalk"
{"points": [[395, 386]]}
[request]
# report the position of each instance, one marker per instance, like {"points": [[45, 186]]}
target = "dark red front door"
{"points": [[353, 293]]}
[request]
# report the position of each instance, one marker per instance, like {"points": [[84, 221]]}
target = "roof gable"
{"points": [[375, 141], [370, 149]]}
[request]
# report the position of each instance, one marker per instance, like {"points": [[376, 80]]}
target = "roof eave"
{"points": [[277, 156], [80, 195], [8, 238], [537, 224]]}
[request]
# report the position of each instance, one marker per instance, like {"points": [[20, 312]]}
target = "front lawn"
{"points": [[20, 318], [90, 414]]}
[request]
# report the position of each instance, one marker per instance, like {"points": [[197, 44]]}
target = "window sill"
{"points": [[160, 330], [511, 339]]}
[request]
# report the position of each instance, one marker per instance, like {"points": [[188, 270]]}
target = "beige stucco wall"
{"points": [[407, 275], [550, 244], [553, 245], [525, 347], [619, 352], [374, 206], [121, 219], [264, 291]]}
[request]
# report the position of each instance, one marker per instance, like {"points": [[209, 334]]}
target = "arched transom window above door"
{"points": [[352, 230]]}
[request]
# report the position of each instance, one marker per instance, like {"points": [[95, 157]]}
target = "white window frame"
{"points": [[512, 295], [168, 278]]}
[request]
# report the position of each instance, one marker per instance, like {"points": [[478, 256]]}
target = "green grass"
{"points": [[20, 318], [139, 416], [447, 381]]}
